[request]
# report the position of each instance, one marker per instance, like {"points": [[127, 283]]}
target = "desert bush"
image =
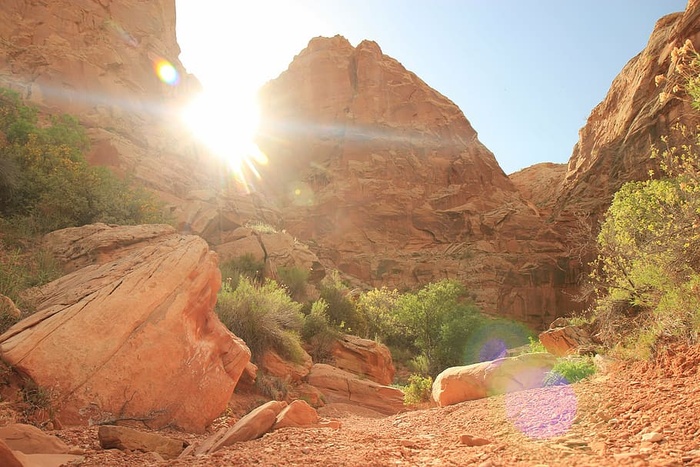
{"points": [[341, 309], [318, 332], [294, 278], [264, 316], [535, 346], [378, 309], [49, 184], [439, 319], [418, 390], [570, 370], [244, 265]]}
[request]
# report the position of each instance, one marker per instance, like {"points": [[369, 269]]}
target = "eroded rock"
{"points": [[128, 439], [363, 357], [111, 340]]}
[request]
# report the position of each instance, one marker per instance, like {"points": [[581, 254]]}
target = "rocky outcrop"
{"points": [[505, 375], [273, 364], [540, 185], [363, 357], [563, 339], [128, 439], [615, 144], [296, 414], [27, 446], [390, 181], [340, 386], [112, 339]]}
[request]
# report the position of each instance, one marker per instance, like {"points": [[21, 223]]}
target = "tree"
{"points": [[440, 319]]}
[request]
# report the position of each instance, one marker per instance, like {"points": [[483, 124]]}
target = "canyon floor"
{"points": [[628, 414]]}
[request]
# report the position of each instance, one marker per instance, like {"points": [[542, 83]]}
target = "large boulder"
{"points": [[112, 339], [363, 357], [505, 375], [341, 386], [273, 364]]}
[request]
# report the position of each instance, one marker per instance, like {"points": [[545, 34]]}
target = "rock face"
{"points": [[363, 357], [112, 339], [505, 375], [615, 144], [390, 180], [341, 386]]}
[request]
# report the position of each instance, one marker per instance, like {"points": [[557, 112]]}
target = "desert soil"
{"points": [[629, 414]]}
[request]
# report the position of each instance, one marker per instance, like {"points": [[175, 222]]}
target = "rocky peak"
{"points": [[615, 144]]}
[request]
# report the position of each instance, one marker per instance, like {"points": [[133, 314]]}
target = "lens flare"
{"points": [[166, 72], [543, 413]]}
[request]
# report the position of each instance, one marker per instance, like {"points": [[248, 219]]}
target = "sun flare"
{"points": [[227, 127]]}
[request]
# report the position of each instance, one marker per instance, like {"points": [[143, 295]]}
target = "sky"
{"points": [[526, 73]]}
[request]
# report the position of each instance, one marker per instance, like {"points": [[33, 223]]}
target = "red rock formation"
{"points": [[113, 339], [363, 357], [390, 181], [615, 144]]}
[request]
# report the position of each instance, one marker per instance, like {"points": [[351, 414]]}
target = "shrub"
{"points": [[318, 332], [535, 345], [439, 320], [418, 390], [377, 308], [264, 317], [49, 184], [341, 310], [567, 371], [244, 265], [294, 279]]}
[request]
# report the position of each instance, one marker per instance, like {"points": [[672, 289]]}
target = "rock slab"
{"points": [[112, 339]]}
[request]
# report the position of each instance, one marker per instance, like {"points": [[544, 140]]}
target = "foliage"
{"points": [[535, 345], [264, 317], [647, 275], [570, 370], [318, 331], [244, 265], [439, 322], [377, 308], [418, 390], [341, 309], [49, 184], [20, 271], [261, 227], [294, 279]]}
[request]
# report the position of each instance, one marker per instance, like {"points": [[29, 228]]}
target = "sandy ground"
{"points": [[600, 422]]}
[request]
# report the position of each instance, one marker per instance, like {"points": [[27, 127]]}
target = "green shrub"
{"points": [[535, 345], [244, 265], [418, 390], [341, 309], [569, 370], [50, 185], [439, 319], [264, 316], [377, 308], [318, 332], [294, 279]]}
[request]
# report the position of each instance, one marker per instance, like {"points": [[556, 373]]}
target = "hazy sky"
{"points": [[526, 73]]}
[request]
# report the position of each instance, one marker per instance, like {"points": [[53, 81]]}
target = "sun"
{"points": [[227, 126]]}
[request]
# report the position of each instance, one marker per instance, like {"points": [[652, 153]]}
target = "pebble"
{"points": [[652, 437]]}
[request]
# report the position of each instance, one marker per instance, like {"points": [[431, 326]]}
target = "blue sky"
{"points": [[526, 73]]}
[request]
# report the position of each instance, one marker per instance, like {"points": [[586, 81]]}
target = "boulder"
{"points": [[296, 414], [8, 458], [128, 439], [273, 364], [31, 440], [341, 386], [253, 425], [113, 339], [566, 340], [505, 375], [363, 357]]}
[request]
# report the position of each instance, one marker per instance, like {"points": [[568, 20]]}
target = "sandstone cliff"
{"points": [[615, 144], [388, 181]]}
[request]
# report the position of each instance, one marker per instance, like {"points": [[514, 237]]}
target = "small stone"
{"points": [[652, 437], [469, 440], [305, 450]]}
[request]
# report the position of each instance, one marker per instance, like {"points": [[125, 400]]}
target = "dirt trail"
{"points": [[638, 414]]}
